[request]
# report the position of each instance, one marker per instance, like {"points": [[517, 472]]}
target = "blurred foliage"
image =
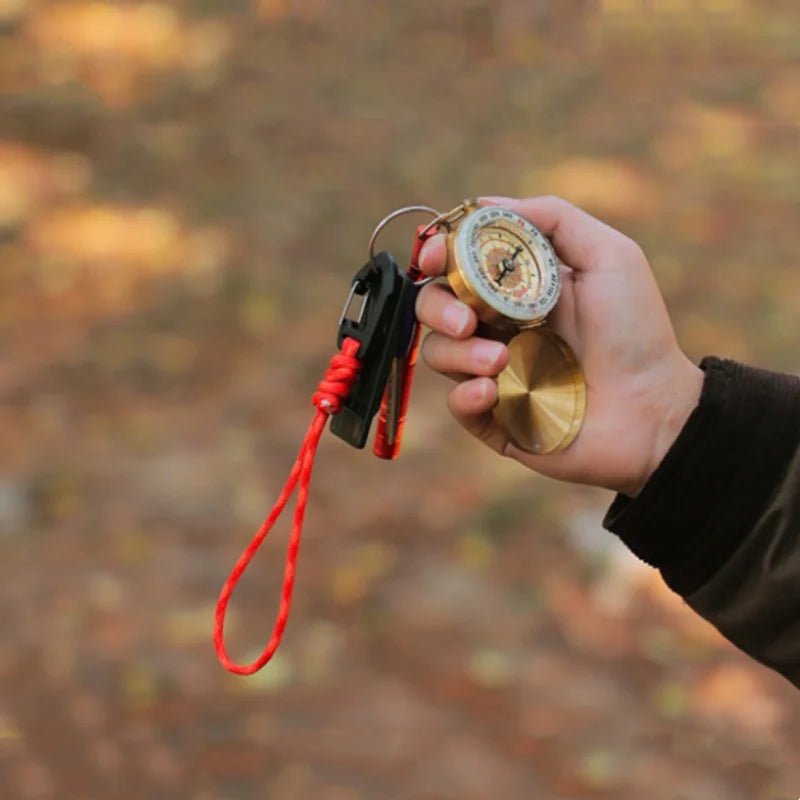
{"points": [[185, 190]]}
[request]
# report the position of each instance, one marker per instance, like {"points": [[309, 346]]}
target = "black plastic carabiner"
{"points": [[382, 294]]}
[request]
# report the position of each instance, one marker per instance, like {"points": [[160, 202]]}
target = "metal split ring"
{"points": [[440, 220], [394, 215]]}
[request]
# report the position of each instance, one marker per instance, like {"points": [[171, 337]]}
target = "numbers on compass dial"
{"points": [[510, 264]]}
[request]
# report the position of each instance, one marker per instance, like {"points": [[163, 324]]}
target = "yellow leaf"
{"points": [[9, 729], [274, 676], [474, 550], [490, 669]]}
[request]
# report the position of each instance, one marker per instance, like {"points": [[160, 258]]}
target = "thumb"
{"points": [[583, 242]]}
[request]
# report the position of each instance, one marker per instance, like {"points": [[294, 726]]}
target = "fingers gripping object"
{"points": [[505, 269], [502, 267]]}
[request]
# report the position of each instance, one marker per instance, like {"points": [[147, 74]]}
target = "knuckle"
{"points": [[558, 202], [483, 429], [631, 248]]}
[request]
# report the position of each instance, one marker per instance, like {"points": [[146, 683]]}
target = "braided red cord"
{"points": [[333, 390]]}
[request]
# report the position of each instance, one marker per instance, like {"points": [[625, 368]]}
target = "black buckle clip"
{"points": [[373, 315]]}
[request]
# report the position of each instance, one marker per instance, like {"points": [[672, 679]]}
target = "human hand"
{"points": [[641, 388]]}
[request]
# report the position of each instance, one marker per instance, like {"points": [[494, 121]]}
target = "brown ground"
{"points": [[185, 191]]}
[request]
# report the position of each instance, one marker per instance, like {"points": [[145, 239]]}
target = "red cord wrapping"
{"points": [[333, 390]]}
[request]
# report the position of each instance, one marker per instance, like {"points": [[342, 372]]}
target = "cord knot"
{"points": [[339, 378]]}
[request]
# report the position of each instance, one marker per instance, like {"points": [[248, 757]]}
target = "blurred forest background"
{"points": [[185, 192]]}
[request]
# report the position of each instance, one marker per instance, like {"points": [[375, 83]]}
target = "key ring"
{"points": [[399, 213], [394, 215]]}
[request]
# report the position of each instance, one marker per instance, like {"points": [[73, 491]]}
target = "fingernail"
{"points": [[456, 318], [478, 391], [485, 354], [424, 257]]}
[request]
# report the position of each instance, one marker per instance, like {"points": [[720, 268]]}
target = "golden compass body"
{"points": [[505, 269]]}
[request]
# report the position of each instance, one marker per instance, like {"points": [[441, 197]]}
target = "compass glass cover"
{"points": [[509, 263]]}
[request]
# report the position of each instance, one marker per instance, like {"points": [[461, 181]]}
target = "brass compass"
{"points": [[504, 268]]}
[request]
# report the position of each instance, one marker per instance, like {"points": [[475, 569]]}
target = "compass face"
{"points": [[509, 264]]}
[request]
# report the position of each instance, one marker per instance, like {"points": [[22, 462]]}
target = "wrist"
{"points": [[676, 395], [680, 394]]}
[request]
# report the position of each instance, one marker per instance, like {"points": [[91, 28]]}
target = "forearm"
{"points": [[720, 516]]}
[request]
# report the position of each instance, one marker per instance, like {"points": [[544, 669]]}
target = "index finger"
{"points": [[433, 255], [581, 240]]}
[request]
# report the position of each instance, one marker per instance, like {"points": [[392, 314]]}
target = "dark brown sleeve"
{"points": [[720, 517]]}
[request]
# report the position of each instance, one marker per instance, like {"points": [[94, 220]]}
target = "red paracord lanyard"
{"points": [[332, 391], [383, 448]]}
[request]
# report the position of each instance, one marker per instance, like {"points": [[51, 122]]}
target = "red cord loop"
{"points": [[339, 378], [333, 390]]}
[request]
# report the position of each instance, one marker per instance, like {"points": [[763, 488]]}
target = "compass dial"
{"points": [[504, 267]]}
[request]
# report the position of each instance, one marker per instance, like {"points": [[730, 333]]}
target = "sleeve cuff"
{"points": [[710, 488]]}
